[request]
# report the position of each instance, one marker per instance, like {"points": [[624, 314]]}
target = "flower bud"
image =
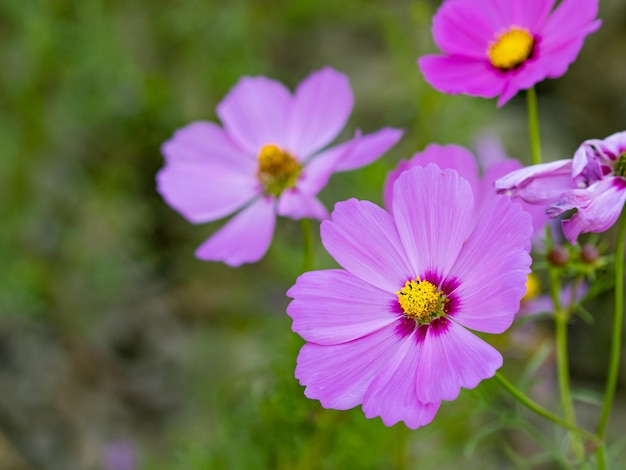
{"points": [[589, 253], [558, 256]]}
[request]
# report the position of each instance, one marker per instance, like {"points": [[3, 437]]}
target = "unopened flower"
{"points": [[265, 161], [499, 47], [495, 165], [390, 330], [593, 183]]}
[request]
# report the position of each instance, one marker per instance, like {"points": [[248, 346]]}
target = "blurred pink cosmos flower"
{"points": [[593, 182], [390, 330], [499, 47], [495, 165], [265, 161], [534, 303]]}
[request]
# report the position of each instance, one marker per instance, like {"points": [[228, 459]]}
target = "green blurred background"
{"points": [[119, 350]]}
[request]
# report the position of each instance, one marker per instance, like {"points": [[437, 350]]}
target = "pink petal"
{"points": [[202, 193], [451, 156], [501, 169], [492, 268], [529, 14], [536, 306], [457, 74], [450, 358], [334, 306], [538, 184], [572, 19], [460, 28], [392, 394], [294, 204], [254, 113], [467, 27], [363, 239], [522, 78], [339, 375], [320, 168], [355, 153], [564, 33], [204, 142], [604, 203], [433, 210], [245, 238], [589, 159], [321, 107], [390, 180], [206, 176], [616, 143], [494, 173], [368, 148], [489, 150]]}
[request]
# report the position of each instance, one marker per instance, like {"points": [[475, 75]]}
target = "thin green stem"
{"points": [[533, 125], [307, 245], [541, 411], [561, 317], [616, 340]]}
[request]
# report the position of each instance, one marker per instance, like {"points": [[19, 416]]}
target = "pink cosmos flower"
{"points": [[593, 182], [390, 330], [265, 161], [499, 47], [495, 165]]}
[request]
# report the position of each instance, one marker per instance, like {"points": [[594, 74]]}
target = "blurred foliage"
{"points": [[111, 331]]}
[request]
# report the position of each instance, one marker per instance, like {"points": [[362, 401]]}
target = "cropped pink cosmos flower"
{"points": [[495, 165], [499, 47], [390, 330], [593, 183], [265, 161]]}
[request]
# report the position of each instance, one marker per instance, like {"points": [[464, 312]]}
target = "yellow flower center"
{"points": [[421, 300], [620, 165], [278, 170], [533, 287], [511, 48]]}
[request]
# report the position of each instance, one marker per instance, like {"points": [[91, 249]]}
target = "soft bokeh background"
{"points": [[120, 351]]}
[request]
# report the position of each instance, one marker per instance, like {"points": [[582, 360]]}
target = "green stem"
{"points": [[616, 341], [541, 411], [533, 125], [307, 245], [561, 317]]}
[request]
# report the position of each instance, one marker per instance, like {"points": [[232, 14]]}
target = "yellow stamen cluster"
{"points": [[533, 287], [511, 48], [421, 300], [278, 170]]}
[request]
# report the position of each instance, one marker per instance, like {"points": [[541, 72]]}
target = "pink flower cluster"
{"points": [[392, 329]]}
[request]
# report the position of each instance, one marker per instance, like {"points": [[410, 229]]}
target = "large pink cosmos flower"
{"points": [[390, 330], [593, 183], [495, 165], [265, 161], [499, 47]]}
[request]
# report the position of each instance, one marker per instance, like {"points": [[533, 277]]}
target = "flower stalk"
{"points": [[307, 245], [533, 125], [616, 341], [541, 411]]}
